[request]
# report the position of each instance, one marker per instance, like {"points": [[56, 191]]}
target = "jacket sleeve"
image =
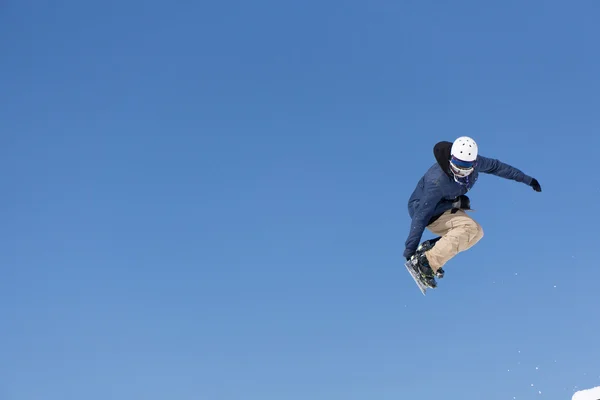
{"points": [[424, 212], [503, 170]]}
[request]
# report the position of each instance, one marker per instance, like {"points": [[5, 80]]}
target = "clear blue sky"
{"points": [[205, 201]]}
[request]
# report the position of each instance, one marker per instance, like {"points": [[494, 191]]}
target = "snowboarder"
{"points": [[439, 201]]}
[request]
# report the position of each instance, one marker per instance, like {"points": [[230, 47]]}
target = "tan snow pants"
{"points": [[459, 232]]}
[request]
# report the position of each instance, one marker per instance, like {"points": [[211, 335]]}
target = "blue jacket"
{"points": [[437, 190]]}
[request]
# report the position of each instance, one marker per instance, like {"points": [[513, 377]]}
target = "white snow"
{"points": [[589, 394]]}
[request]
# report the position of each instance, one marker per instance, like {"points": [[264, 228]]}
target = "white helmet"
{"points": [[463, 155]]}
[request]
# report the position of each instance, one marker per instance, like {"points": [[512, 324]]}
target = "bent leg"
{"points": [[459, 232]]}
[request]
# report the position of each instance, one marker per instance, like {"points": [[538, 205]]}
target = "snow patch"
{"points": [[589, 394]]}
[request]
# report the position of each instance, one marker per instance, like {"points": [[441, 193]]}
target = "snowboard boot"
{"points": [[427, 245], [421, 265]]}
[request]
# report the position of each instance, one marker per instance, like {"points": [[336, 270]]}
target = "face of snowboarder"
{"points": [[460, 168]]}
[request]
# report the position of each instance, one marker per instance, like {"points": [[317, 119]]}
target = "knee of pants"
{"points": [[472, 231], [477, 232]]}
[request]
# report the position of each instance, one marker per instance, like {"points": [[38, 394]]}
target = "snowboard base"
{"points": [[426, 245], [413, 273]]}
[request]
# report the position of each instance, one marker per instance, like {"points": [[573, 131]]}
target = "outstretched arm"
{"points": [[427, 204], [506, 171]]}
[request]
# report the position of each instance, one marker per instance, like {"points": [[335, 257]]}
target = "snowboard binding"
{"points": [[425, 273], [427, 245], [419, 268]]}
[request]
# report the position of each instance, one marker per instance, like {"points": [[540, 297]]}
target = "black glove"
{"points": [[535, 185], [462, 202]]}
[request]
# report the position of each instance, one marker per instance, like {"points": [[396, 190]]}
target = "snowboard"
{"points": [[415, 275], [426, 245]]}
